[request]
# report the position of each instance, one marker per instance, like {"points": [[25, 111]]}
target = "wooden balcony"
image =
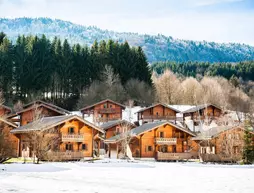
{"points": [[202, 117], [108, 111], [102, 119], [67, 155], [166, 141], [221, 158], [160, 117], [175, 156], [72, 138]]}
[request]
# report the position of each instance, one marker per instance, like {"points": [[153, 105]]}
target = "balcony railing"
{"points": [[160, 117], [72, 138], [166, 141], [102, 119], [108, 110], [203, 117], [67, 155], [221, 158], [176, 156]]}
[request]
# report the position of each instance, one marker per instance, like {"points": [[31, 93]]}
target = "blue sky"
{"points": [[210, 20]]}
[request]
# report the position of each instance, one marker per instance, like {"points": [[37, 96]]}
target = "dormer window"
{"points": [[161, 134], [71, 130]]}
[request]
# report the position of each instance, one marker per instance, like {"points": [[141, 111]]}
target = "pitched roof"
{"points": [[110, 124], [8, 122], [49, 122], [39, 105], [148, 127], [167, 106], [215, 131], [199, 107], [48, 104], [5, 107], [103, 101]]}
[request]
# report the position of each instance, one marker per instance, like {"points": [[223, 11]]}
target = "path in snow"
{"points": [[123, 177]]}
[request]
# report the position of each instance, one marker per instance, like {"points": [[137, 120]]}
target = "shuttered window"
{"points": [[84, 146], [71, 130], [149, 148], [69, 147]]}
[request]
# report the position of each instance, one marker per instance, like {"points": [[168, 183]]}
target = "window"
{"points": [[84, 146], [105, 106], [68, 147], [163, 148], [110, 106], [174, 148], [236, 149], [157, 114], [71, 130], [161, 134], [149, 148]]}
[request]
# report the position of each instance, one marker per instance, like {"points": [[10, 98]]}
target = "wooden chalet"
{"points": [[201, 112], [162, 140], [75, 138], [158, 112], [113, 128], [4, 110], [10, 141], [104, 111], [26, 115], [221, 144]]}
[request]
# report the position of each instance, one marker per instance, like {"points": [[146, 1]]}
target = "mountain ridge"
{"points": [[157, 47]]}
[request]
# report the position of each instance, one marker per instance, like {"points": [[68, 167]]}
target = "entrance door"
{"points": [[163, 148]]}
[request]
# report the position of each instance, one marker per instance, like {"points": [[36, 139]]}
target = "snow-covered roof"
{"points": [[181, 107]]}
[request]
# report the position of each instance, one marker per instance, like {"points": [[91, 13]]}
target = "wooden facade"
{"points": [[26, 115], [158, 112], [104, 111], [111, 129], [4, 110], [10, 141], [201, 112], [222, 144], [77, 138], [162, 141]]}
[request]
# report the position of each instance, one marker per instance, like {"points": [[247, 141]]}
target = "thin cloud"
{"points": [[213, 2]]}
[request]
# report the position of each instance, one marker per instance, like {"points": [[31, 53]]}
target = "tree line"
{"points": [[245, 69], [35, 66]]}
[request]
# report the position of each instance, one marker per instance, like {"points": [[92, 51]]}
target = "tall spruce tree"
{"points": [[248, 151]]}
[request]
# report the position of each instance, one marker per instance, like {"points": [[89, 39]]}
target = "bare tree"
{"points": [[212, 91], [109, 87], [5, 143], [126, 134], [6, 150], [41, 141], [124, 139], [231, 146], [140, 92], [192, 91], [18, 106], [168, 88]]}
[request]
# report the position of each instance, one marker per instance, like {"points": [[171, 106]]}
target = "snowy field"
{"points": [[123, 177]]}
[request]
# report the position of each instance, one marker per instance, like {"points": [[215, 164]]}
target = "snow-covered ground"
{"points": [[123, 177]]}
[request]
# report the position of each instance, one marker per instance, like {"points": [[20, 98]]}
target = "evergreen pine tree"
{"points": [[248, 151]]}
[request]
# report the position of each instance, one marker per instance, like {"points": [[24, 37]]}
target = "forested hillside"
{"points": [[156, 48], [243, 70], [56, 70]]}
